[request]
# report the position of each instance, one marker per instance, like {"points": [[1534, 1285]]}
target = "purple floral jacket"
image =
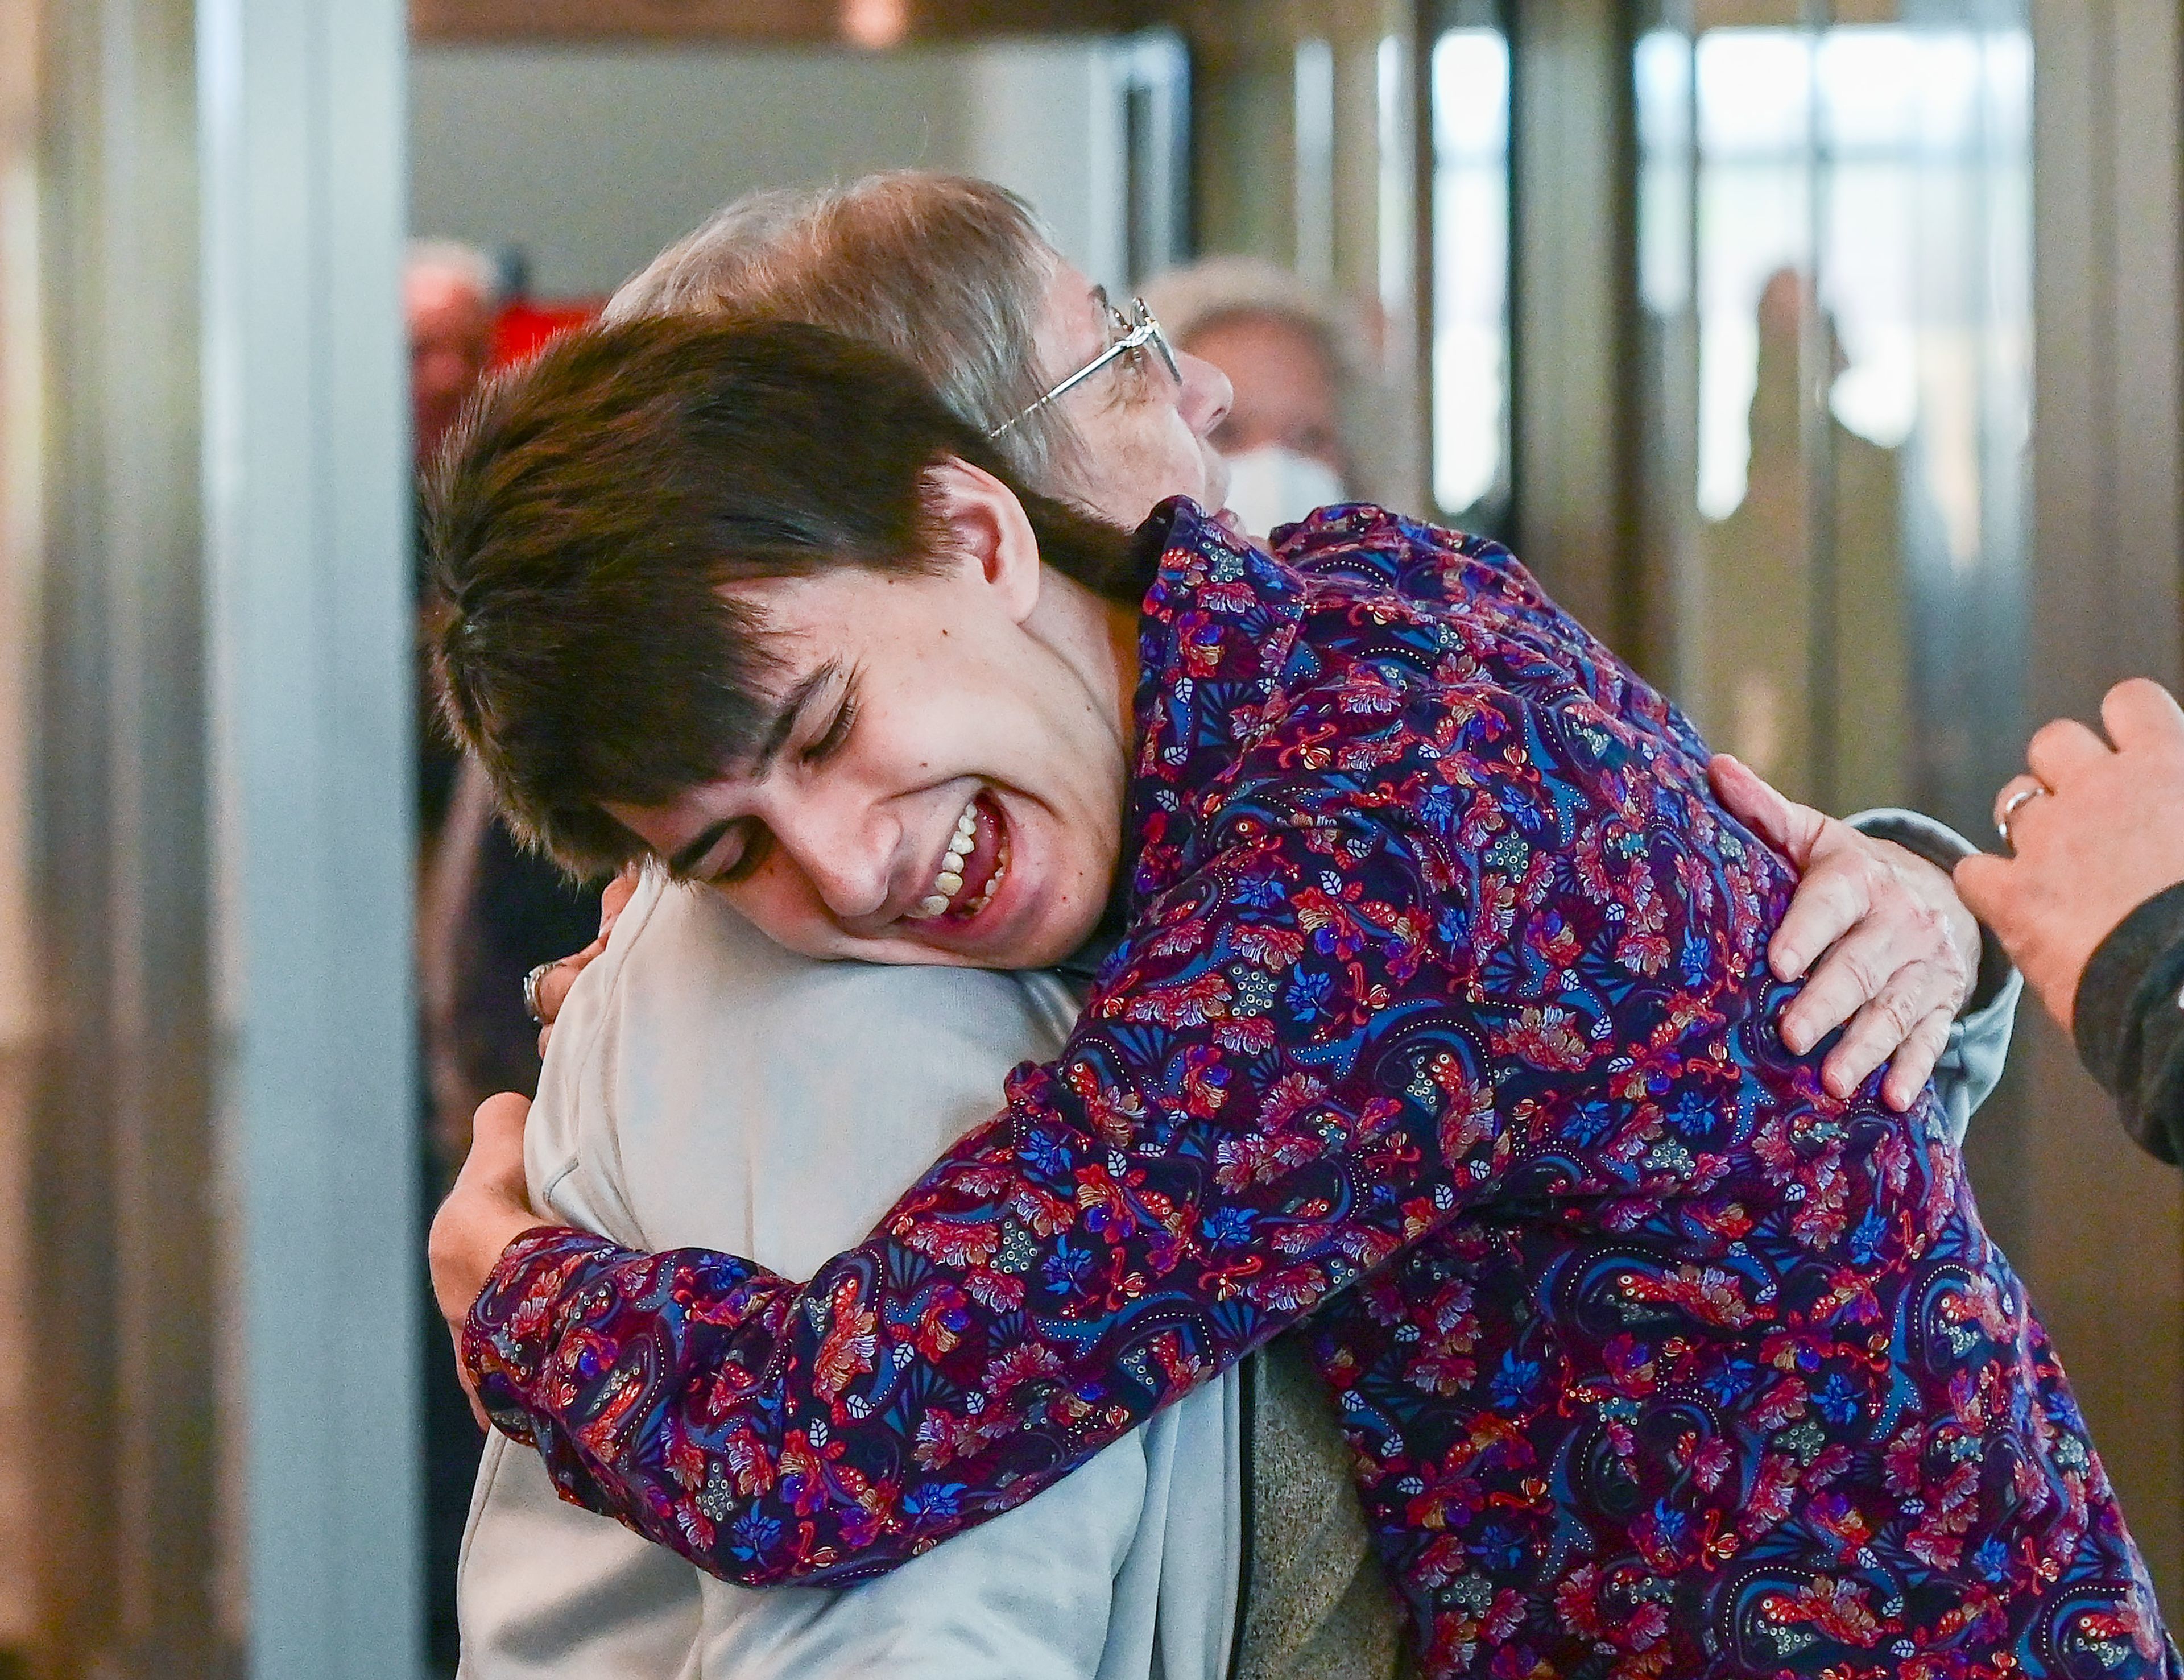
{"points": [[1441, 1021]]}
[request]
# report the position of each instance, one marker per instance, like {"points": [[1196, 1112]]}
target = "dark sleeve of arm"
{"points": [[2129, 1021], [1208, 1159]]}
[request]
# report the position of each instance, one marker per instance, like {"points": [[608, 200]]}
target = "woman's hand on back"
{"points": [[1878, 934]]}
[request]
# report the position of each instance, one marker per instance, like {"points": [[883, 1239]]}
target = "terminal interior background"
{"points": [[1825, 357]]}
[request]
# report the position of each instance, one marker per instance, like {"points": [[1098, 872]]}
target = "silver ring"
{"points": [[2016, 803], [530, 987]]}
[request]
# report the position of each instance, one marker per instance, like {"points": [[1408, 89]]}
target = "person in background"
{"points": [[1288, 353], [450, 295], [487, 913], [2091, 904], [1802, 547]]}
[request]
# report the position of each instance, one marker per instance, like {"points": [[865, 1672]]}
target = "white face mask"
{"points": [[1272, 486]]}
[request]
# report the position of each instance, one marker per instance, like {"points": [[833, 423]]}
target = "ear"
{"points": [[985, 527]]}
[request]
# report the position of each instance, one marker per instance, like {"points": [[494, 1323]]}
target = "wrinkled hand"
{"points": [[1898, 951], [554, 985], [2105, 835], [487, 1209]]}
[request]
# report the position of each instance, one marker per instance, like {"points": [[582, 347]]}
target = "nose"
{"points": [[846, 852], [1207, 393]]}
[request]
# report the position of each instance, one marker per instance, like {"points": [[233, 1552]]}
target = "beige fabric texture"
{"points": [[1320, 1606]]}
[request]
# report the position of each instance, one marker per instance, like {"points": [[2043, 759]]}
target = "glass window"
{"points": [[1470, 89], [1834, 273]]}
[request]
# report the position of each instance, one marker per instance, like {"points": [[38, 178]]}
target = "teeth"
{"points": [[986, 898], [950, 881]]}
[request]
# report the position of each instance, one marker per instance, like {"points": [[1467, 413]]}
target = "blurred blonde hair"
{"points": [[947, 272], [1205, 294]]}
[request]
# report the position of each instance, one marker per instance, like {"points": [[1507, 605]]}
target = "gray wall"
{"points": [[592, 158]]}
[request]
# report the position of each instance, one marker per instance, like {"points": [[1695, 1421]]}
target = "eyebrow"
{"points": [[783, 725], [787, 716]]}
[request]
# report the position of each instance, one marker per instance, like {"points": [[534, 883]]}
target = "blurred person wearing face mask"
{"points": [[1288, 355]]}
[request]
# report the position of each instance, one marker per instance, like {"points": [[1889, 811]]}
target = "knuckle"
{"points": [[1895, 1015], [1860, 970]]}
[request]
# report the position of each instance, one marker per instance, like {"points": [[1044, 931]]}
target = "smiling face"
{"points": [[943, 779], [950, 781]]}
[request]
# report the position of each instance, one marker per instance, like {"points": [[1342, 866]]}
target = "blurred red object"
{"points": [[525, 326]]}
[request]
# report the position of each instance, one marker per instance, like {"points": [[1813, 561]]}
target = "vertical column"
{"points": [[1574, 257], [118, 1182], [307, 476], [19, 525]]}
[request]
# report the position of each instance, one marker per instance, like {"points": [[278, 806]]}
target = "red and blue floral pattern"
{"points": [[1442, 1021]]}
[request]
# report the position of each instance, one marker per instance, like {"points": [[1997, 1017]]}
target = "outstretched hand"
{"points": [[488, 1209], [1877, 933], [2097, 831]]}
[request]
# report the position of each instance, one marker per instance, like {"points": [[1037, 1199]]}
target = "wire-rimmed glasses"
{"points": [[1136, 331]]}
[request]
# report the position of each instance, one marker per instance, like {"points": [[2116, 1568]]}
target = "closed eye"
{"points": [[757, 842], [837, 729]]}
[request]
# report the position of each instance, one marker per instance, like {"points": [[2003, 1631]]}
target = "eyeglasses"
{"points": [[1137, 330]]}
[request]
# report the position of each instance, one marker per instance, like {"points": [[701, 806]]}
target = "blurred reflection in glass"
{"points": [[1835, 257], [1470, 71]]}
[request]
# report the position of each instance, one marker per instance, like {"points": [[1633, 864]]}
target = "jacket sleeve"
{"points": [[1252, 1112], [2128, 1020], [1970, 1066]]}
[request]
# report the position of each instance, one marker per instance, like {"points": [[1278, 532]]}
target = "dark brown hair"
{"points": [[592, 512]]}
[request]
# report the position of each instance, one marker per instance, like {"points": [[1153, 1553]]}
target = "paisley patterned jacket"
{"points": [[1442, 1021]]}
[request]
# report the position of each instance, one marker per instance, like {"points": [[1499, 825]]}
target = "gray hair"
{"points": [[477, 272], [947, 272]]}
